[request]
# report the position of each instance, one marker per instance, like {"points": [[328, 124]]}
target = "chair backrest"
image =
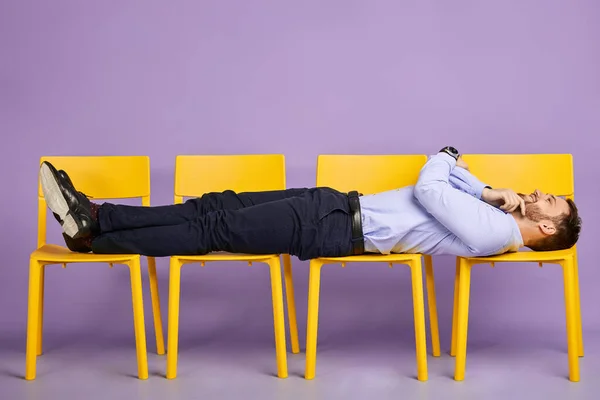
{"points": [[199, 174], [368, 173], [550, 173], [100, 177]]}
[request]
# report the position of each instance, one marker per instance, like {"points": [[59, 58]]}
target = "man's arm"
{"points": [[505, 199], [469, 218], [465, 181]]}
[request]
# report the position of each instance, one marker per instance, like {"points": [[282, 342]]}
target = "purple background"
{"points": [[300, 78]]}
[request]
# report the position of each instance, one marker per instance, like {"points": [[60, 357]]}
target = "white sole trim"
{"points": [[56, 201]]}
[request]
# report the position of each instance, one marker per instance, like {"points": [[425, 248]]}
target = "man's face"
{"points": [[539, 206]]}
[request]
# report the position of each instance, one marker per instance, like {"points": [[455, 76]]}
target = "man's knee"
{"points": [[215, 201]]}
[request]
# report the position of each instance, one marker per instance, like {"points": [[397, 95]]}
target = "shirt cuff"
{"points": [[478, 188], [475, 184], [445, 156]]}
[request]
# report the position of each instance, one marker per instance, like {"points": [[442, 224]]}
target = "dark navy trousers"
{"points": [[306, 223]]}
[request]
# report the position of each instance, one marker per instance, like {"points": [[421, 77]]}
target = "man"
{"points": [[448, 211]]}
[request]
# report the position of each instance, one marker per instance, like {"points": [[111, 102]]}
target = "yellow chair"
{"points": [[371, 174], [551, 173], [197, 175], [100, 177]]}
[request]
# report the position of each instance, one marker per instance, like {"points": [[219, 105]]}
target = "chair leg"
{"points": [[571, 311], [312, 323], [41, 312], [431, 301], [33, 318], [278, 317], [138, 317], [158, 327], [173, 323], [419, 316], [291, 303], [455, 309], [463, 319], [578, 306]]}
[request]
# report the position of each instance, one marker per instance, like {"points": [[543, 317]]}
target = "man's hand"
{"points": [[461, 163], [507, 199]]}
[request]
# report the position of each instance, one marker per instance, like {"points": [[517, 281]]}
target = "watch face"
{"points": [[451, 151]]}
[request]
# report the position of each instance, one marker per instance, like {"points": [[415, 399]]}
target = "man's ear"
{"points": [[547, 227]]}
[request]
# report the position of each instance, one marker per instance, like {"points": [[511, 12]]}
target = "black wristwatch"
{"points": [[450, 151]]}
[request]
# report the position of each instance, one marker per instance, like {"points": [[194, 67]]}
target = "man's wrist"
{"points": [[451, 151], [485, 193], [479, 188]]}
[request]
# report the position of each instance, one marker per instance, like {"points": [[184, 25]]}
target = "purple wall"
{"points": [[312, 77]]}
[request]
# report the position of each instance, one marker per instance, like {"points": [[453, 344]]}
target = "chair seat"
{"points": [[387, 258], [526, 256], [225, 256], [60, 254]]}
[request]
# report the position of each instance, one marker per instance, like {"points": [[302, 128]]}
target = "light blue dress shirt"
{"points": [[442, 214]]}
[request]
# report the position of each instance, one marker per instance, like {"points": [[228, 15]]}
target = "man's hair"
{"points": [[568, 227]]}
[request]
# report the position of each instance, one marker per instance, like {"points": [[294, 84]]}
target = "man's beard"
{"points": [[532, 210]]}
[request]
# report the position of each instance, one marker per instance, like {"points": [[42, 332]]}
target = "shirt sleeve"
{"points": [[478, 225], [465, 181]]}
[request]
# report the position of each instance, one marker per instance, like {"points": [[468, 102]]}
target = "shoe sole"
{"points": [[56, 201]]}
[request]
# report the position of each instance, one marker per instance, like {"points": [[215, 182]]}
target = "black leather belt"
{"points": [[358, 241]]}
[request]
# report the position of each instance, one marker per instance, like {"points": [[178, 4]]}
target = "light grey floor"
{"points": [[232, 368]]}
